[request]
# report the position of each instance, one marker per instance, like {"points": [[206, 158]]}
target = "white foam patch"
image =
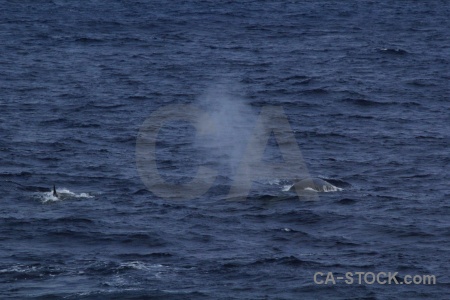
{"points": [[138, 265], [332, 188], [156, 270], [326, 189], [48, 197], [286, 188], [19, 269]]}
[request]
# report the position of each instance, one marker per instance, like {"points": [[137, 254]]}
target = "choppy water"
{"points": [[364, 84]]}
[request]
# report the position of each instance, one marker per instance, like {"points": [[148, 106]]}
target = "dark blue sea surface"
{"points": [[364, 85]]}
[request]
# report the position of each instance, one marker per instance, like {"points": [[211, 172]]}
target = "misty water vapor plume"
{"points": [[223, 132], [219, 138]]}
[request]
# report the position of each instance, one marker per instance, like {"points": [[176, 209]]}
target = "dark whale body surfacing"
{"points": [[314, 184]]}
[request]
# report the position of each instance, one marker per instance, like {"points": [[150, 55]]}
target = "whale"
{"points": [[315, 185], [62, 194]]}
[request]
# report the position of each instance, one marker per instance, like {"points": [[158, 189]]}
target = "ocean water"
{"points": [[363, 85]]}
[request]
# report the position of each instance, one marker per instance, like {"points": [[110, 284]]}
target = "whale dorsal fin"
{"points": [[54, 191]]}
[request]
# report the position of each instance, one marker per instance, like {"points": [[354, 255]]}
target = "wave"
{"points": [[346, 201], [396, 51], [317, 91], [422, 83], [373, 103], [283, 260], [88, 40]]}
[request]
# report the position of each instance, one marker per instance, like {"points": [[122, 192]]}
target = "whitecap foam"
{"points": [[138, 265], [331, 188], [326, 189], [286, 188], [47, 197], [18, 269]]}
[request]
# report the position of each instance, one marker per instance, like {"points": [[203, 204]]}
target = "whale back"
{"points": [[315, 184]]}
